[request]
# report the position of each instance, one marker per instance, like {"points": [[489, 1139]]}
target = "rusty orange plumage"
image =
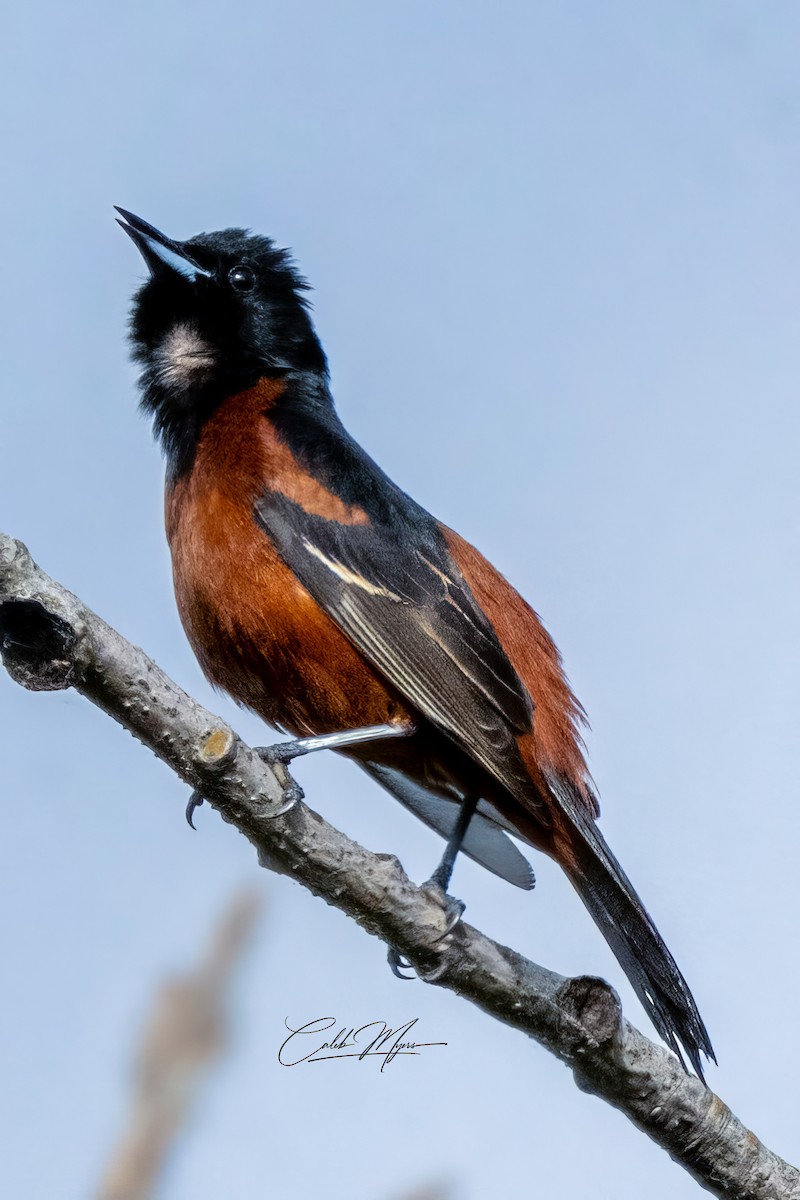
{"points": [[256, 631]]}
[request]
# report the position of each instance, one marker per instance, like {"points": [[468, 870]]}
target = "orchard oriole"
{"points": [[321, 596]]}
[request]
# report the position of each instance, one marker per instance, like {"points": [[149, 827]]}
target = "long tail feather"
{"points": [[639, 948]]}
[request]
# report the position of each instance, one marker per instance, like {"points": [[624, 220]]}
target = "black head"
{"points": [[218, 312]]}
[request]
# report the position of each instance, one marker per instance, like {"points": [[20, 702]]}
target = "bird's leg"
{"points": [[284, 752], [440, 880], [441, 876]]}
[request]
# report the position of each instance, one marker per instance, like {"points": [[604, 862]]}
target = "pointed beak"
{"points": [[162, 255]]}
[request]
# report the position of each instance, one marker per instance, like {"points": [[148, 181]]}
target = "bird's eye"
{"points": [[242, 278]]}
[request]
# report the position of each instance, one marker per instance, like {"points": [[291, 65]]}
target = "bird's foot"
{"points": [[285, 752], [292, 792], [281, 752], [453, 911]]}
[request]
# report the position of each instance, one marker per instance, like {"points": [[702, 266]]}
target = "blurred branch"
{"points": [[50, 640], [187, 1031], [438, 1192]]}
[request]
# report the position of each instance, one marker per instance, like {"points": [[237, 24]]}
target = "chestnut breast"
{"points": [[256, 631]]}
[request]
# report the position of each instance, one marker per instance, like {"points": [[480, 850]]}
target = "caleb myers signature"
{"points": [[375, 1039]]}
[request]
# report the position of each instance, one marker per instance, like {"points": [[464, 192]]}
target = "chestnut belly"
{"points": [[262, 638]]}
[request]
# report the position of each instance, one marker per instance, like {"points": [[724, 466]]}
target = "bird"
{"points": [[322, 597]]}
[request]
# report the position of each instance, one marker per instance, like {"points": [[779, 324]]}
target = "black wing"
{"points": [[396, 592]]}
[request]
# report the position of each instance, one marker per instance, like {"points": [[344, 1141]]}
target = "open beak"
{"points": [[162, 255]]}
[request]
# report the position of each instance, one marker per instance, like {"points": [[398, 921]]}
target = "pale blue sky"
{"points": [[556, 251]]}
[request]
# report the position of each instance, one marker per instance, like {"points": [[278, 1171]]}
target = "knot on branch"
{"points": [[38, 647], [595, 1007], [218, 749]]}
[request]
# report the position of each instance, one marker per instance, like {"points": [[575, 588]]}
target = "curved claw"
{"points": [[437, 972], [454, 911], [453, 907], [292, 796], [195, 800], [398, 964]]}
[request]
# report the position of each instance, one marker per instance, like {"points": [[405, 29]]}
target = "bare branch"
{"points": [[51, 640], [185, 1034]]}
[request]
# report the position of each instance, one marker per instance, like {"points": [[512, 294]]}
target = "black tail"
{"points": [[639, 948]]}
